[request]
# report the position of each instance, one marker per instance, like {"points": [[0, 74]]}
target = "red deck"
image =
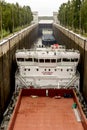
{"points": [[45, 113]]}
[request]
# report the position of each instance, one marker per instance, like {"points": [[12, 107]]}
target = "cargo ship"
{"points": [[47, 81], [47, 67], [48, 39]]}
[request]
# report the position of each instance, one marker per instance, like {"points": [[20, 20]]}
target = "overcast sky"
{"points": [[44, 7]]}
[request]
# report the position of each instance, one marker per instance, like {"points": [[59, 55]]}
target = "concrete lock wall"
{"points": [[72, 40], [22, 39]]}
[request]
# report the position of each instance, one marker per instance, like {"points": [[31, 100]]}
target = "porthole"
{"points": [[55, 69], [61, 69], [25, 69], [28, 69], [67, 69], [45, 69], [37, 69]]}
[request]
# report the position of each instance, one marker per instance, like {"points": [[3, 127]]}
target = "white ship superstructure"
{"points": [[52, 67]]}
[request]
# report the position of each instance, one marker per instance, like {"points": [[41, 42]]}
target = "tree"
{"points": [[61, 15], [13, 16], [71, 14], [84, 16]]}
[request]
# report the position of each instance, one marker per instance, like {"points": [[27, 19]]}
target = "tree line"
{"points": [[73, 14], [13, 16]]}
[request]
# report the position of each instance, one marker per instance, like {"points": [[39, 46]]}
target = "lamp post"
{"points": [[80, 18], [12, 18], [80, 21], [1, 21], [79, 6]]}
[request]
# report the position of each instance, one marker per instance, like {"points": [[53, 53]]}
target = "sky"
{"points": [[43, 7]]}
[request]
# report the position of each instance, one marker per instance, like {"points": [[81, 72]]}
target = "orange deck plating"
{"points": [[43, 113]]}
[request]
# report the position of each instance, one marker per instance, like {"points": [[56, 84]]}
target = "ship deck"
{"points": [[41, 112]]}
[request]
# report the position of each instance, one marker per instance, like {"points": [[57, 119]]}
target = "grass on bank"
{"points": [[7, 33]]}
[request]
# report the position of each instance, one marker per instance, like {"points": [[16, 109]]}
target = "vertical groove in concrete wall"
{"points": [[1, 89], [85, 70], [6, 74]]}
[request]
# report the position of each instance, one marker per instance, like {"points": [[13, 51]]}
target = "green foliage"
{"points": [[13, 16], [73, 14]]}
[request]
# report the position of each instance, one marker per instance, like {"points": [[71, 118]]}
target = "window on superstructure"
{"points": [[47, 60], [26, 59], [58, 60], [35, 60], [20, 59], [53, 60], [41, 60], [66, 59], [29, 59], [74, 60]]}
